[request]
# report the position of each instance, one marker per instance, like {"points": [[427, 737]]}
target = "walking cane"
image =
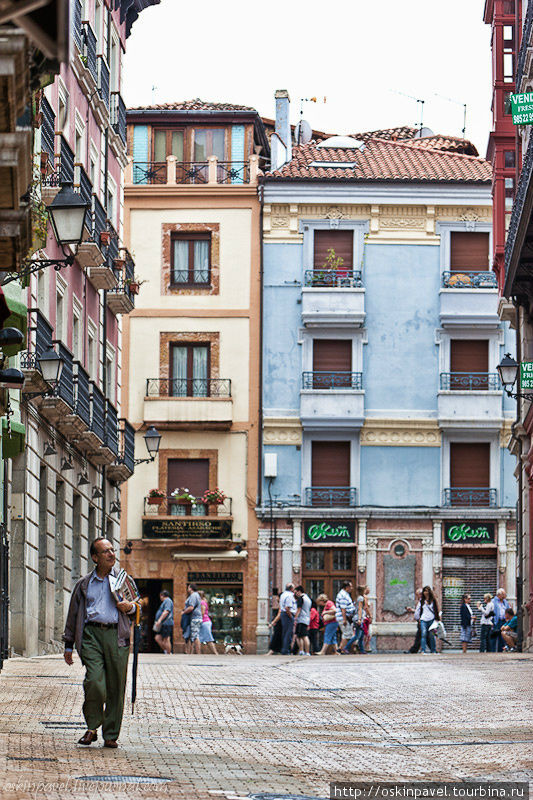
{"points": [[136, 644]]}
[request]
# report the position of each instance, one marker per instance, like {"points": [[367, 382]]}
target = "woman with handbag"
{"points": [[329, 612], [427, 611]]}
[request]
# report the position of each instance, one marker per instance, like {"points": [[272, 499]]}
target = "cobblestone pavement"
{"points": [[239, 726]]}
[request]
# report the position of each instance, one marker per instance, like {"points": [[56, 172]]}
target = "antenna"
{"points": [[456, 103], [153, 92], [418, 100], [303, 132]]}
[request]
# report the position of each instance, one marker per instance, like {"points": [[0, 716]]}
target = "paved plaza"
{"points": [[252, 726]]}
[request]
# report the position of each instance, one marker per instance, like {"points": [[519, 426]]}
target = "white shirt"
{"points": [[485, 611], [428, 614], [287, 602]]}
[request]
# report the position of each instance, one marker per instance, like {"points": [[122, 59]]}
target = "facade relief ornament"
{"points": [[402, 223], [280, 221], [334, 212]]}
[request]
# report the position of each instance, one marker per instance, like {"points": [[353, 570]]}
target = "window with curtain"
{"points": [[190, 371], [209, 142], [191, 260], [167, 143]]}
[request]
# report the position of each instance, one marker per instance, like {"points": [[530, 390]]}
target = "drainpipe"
{"points": [[519, 504], [261, 193], [104, 334]]}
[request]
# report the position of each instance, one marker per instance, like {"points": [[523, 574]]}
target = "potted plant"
{"points": [[134, 284], [105, 238], [119, 263], [183, 497], [213, 497], [156, 497]]}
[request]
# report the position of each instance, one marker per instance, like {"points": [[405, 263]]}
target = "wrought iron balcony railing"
{"points": [[127, 445], [469, 381], [469, 280], [149, 172], [111, 428], [41, 333], [82, 394], [99, 220], [82, 183], [527, 30], [331, 496], [471, 496], [89, 50], [103, 80], [65, 387], [171, 171], [332, 380], [333, 279], [118, 115], [77, 28], [66, 162], [522, 188], [97, 411], [233, 171], [200, 277], [169, 507], [192, 172], [188, 387]]}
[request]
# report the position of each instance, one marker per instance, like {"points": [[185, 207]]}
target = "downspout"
{"points": [[104, 335], [261, 193], [519, 504]]}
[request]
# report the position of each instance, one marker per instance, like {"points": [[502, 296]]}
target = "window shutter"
{"points": [[469, 355], [140, 153], [330, 464], [469, 252], [340, 241], [237, 151], [330, 355], [188, 473], [469, 464]]}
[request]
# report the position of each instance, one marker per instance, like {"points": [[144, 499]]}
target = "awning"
{"points": [[13, 443], [17, 318]]}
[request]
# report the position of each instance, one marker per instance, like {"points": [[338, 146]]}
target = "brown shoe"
{"points": [[88, 737], [110, 743]]}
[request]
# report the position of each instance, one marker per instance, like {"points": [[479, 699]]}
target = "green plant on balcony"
{"points": [[183, 497], [134, 284], [327, 272]]}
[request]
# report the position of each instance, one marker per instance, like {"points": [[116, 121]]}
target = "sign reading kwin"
{"points": [[526, 375], [469, 533], [337, 532], [522, 108]]}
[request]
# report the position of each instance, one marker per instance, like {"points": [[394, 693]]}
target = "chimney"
{"points": [[281, 145]]}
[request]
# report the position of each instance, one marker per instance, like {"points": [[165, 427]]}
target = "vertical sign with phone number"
{"points": [[522, 108], [526, 375]]}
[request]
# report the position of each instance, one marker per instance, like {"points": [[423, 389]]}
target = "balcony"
{"points": [[467, 399], [106, 274], [189, 403], [330, 496], [207, 525], [120, 299], [88, 55], [333, 297], [73, 424], [118, 116], [178, 173], [124, 465], [470, 497], [90, 252], [59, 404], [332, 399], [469, 298], [40, 334], [82, 183], [103, 80], [92, 439]]}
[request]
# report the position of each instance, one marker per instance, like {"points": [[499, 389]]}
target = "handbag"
{"points": [[156, 627], [329, 616]]}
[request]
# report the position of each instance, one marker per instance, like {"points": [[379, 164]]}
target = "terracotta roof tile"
{"points": [[382, 160], [194, 105]]}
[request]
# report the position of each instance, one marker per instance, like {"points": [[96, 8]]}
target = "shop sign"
{"points": [[526, 375], [177, 528], [522, 108], [454, 588], [338, 532], [214, 577], [469, 533]]}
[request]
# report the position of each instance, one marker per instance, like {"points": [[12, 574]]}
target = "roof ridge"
{"points": [[412, 146]]}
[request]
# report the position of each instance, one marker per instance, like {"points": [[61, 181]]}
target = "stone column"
{"points": [[263, 591], [286, 540], [510, 576], [437, 546], [297, 545], [502, 553], [427, 561], [371, 570], [212, 170], [171, 170], [361, 545]]}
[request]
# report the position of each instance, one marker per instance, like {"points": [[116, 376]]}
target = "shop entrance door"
{"points": [[475, 574], [325, 569], [225, 604], [149, 590]]}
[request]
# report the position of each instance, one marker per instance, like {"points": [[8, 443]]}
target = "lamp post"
{"points": [[67, 217], [51, 366], [508, 370]]}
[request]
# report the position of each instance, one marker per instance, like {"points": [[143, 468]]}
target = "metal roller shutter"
{"points": [[330, 464], [340, 241], [469, 252], [473, 574]]}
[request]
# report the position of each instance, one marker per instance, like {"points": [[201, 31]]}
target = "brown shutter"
{"points": [[340, 241], [191, 474], [469, 355], [469, 464], [469, 252], [330, 464], [332, 355]]}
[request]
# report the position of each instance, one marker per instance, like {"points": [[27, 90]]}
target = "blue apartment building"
{"points": [[384, 424]]}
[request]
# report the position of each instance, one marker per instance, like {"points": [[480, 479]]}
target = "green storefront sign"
{"points": [[522, 108], [338, 532], [469, 533], [526, 375]]}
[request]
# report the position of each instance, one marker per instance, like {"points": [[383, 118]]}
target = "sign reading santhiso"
{"points": [[526, 375], [337, 532], [522, 108], [177, 528], [469, 532]]}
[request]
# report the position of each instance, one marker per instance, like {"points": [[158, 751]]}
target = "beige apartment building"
{"points": [[192, 359]]}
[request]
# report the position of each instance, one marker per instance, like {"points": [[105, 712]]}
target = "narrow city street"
{"points": [[259, 727]]}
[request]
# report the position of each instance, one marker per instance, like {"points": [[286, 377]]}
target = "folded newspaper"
{"points": [[123, 587]]}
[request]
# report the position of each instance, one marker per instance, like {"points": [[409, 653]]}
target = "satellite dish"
{"points": [[303, 132], [423, 132]]}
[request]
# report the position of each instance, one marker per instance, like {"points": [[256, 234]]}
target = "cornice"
{"points": [[282, 430], [400, 433]]}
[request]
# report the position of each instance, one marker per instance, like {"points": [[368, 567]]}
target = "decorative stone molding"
{"points": [[506, 432], [282, 430], [402, 223], [334, 212], [167, 229], [464, 215], [371, 543], [280, 221], [169, 338], [400, 433]]}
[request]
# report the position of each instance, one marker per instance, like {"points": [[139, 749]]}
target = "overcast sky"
{"points": [[359, 54]]}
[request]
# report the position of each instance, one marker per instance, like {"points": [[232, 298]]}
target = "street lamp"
{"points": [[152, 439], [67, 215], [51, 366], [508, 370]]}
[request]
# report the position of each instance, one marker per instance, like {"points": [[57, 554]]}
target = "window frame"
{"points": [[168, 147], [191, 238], [209, 129], [190, 377]]}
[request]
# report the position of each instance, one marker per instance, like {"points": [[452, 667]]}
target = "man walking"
{"points": [[287, 610], [99, 626], [164, 621], [303, 618], [345, 611], [193, 606]]}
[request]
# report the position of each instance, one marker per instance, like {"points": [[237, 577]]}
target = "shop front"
{"points": [[223, 592], [469, 565], [329, 556]]}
